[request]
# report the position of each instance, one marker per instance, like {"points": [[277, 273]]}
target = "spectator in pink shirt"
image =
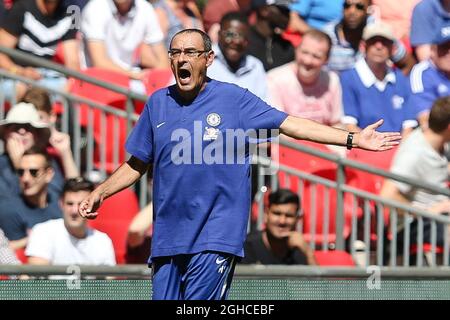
{"points": [[303, 87]]}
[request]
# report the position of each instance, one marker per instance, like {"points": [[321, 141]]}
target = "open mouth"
{"points": [[185, 76]]}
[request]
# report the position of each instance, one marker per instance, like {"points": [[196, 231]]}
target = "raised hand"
{"points": [[370, 139], [15, 148], [60, 141]]}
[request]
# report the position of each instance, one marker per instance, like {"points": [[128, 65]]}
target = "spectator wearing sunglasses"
{"points": [[232, 63], [21, 130], [346, 35], [279, 243], [374, 90], [36, 203]]}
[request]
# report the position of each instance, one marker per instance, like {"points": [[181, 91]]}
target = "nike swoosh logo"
{"points": [[161, 124], [219, 261]]}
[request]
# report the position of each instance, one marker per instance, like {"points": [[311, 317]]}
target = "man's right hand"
{"points": [[15, 148], [89, 206], [295, 240]]}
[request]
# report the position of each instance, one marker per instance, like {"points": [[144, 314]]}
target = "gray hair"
{"points": [[206, 39]]}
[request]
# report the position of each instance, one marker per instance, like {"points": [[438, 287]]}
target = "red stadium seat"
{"points": [[303, 162], [116, 133], [114, 218], [370, 182], [155, 79], [20, 253], [318, 234], [59, 54], [322, 168], [111, 98], [334, 258], [381, 160], [98, 94], [293, 37], [427, 247]]}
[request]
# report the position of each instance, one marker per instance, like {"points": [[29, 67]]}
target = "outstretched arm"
{"points": [[127, 174], [368, 138]]}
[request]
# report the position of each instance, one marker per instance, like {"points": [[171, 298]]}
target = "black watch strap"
{"points": [[350, 140]]}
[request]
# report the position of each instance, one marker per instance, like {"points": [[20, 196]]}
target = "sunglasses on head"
{"points": [[33, 172], [357, 5]]}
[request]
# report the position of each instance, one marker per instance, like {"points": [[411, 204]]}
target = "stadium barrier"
{"points": [[250, 283]]}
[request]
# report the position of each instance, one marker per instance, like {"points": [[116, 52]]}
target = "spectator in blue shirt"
{"points": [[36, 204], [372, 90], [430, 79], [306, 14], [428, 16], [201, 175], [23, 129]]}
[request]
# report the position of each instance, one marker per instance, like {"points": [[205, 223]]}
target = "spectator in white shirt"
{"points": [[69, 240], [7, 256], [123, 36]]}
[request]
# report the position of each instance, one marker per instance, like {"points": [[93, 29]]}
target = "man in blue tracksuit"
{"points": [[190, 132]]}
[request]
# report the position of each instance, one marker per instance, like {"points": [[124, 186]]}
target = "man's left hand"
{"points": [[370, 139]]}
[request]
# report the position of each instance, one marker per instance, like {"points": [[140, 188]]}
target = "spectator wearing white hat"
{"points": [[59, 142], [21, 130], [372, 89]]}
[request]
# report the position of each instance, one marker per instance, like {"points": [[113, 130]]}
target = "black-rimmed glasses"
{"points": [[191, 53]]}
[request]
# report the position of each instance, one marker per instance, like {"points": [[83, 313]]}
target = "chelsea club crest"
{"points": [[213, 119]]}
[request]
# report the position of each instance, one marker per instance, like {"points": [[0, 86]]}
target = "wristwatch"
{"points": [[350, 140]]}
